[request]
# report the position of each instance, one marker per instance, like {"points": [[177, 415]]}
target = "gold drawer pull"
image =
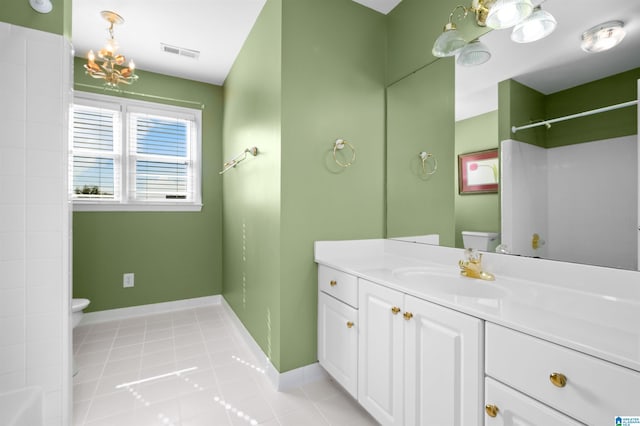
{"points": [[408, 315], [558, 379], [395, 310], [349, 324], [491, 410], [333, 283]]}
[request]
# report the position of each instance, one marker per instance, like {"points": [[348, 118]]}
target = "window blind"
{"points": [[161, 155], [95, 147]]}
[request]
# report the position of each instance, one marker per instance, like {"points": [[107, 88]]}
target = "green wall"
{"points": [[174, 255], [476, 212], [309, 73], [332, 87], [20, 12]]}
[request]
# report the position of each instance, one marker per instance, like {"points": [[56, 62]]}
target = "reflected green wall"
{"points": [[520, 105], [309, 73], [420, 117], [20, 12], [613, 90], [174, 255], [476, 212]]}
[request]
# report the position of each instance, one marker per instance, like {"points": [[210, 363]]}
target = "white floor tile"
{"points": [[227, 385]]}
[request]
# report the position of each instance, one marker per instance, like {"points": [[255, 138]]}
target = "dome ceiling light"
{"points": [[603, 37]]}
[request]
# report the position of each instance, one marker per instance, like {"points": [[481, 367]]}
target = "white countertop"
{"points": [[591, 309]]}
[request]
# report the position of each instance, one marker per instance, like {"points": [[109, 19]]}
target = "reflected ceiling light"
{"points": [[499, 14], [603, 37], [111, 67], [474, 53], [537, 26], [41, 6], [450, 41]]}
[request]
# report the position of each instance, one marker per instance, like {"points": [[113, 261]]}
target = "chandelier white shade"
{"points": [[603, 37], [449, 42], [507, 13], [473, 54], [536, 27]]}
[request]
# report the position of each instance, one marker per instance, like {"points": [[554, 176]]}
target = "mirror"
{"points": [[550, 66]]}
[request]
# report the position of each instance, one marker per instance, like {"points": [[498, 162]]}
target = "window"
{"points": [[134, 155]]}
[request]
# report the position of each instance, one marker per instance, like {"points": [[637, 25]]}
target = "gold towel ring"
{"points": [[424, 156], [340, 144]]}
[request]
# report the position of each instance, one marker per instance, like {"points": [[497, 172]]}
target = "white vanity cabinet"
{"points": [[418, 363], [338, 327], [581, 386]]}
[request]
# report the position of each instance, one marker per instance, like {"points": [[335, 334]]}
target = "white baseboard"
{"points": [[154, 308], [280, 381]]}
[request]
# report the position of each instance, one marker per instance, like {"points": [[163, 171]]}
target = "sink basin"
{"points": [[449, 280]]}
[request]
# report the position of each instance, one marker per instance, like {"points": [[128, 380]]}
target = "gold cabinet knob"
{"points": [[350, 324], [491, 410], [408, 315], [558, 379], [395, 310], [333, 283]]}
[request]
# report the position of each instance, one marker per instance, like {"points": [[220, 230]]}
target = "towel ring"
{"points": [[340, 144], [424, 156]]}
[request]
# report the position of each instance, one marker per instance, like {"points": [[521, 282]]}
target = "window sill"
{"points": [[79, 206]]}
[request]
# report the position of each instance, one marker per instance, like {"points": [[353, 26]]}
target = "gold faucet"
{"points": [[472, 267]]}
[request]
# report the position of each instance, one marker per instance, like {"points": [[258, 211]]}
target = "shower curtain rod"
{"points": [[548, 123], [163, 98]]}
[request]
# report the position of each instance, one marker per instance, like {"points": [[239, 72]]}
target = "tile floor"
{"points": [[190, 368]]}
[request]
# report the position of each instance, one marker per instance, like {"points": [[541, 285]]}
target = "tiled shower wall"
{"points": [[35, 333]]}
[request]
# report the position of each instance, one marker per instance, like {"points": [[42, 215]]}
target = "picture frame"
{"points": [[478, 172]]}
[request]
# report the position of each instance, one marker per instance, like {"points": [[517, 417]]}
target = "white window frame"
{"points": [[125, 162]]}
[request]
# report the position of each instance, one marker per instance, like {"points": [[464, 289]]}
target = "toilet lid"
{"points": [[79, 304]]}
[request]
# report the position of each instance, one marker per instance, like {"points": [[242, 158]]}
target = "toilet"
{"points": [[484, 241], [77, 305]]}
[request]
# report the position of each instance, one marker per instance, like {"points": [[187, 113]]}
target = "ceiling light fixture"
{"points": [[473, 54], [603, 37], [111, 67], [450, 41], [536, 27]]}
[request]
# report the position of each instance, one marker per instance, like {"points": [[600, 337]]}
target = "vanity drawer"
{"points": [[342, 286], [507, 407], [595, 391]]}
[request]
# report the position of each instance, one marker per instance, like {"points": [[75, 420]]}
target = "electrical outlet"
{"points": [[127, 280]]}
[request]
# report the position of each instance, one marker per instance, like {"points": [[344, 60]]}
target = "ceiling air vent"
{"points": [[175, 50]]}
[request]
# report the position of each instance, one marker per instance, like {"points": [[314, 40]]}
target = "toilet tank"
{"points": [[485, 241]]}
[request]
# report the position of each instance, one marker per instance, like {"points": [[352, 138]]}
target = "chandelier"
{"points": [[109, 65]]}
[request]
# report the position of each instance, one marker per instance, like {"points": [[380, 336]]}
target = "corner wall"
{"points": [[251, 203]]}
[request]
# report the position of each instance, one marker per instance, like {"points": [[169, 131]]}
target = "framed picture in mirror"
{"points": [[478, 172]]}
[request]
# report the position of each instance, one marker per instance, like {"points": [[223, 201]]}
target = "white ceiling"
{"points": [[218, 29]]}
